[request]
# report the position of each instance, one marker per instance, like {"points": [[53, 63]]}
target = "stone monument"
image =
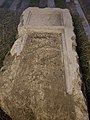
{"points": [[40, 79]]}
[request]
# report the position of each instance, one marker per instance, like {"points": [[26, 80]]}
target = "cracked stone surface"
{"points": [[40, 79]]}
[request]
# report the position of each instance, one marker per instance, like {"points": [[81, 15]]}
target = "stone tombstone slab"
{"points": [[40, 79]]}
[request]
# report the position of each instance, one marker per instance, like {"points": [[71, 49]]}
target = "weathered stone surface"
{"points": [[40, 79]]}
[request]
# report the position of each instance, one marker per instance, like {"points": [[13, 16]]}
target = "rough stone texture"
{"points": [[40, 79]]}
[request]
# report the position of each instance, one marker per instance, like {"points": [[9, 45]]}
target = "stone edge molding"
{"points": [[72, 74]]}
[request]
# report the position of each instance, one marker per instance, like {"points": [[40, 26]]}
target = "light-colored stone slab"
{"points": [[50, 19], [42, 17]]}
